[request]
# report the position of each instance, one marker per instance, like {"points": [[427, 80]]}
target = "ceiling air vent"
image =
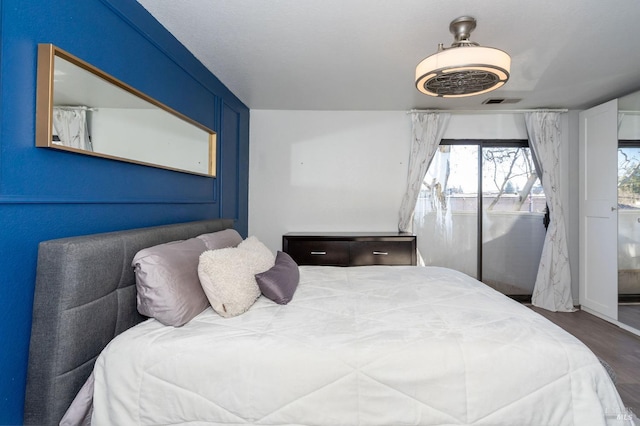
{"points": [[493, 101]]}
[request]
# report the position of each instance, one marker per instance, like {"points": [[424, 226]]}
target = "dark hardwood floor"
{"points": [[616, 346]]}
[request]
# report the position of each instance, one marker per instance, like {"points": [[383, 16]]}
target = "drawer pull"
{"points": [[318, 253], [380, 253]]}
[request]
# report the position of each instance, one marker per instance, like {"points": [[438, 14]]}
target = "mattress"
{"points": [[371, 345]]}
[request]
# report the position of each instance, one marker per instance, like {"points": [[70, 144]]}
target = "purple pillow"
{"points": [[280, 282], [167, 281], [221, 239]]}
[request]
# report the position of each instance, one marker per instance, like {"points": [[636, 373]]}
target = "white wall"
{"points": [[325, 171], [486, 126], [346, 170]]}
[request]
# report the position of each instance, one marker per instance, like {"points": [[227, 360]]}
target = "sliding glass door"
{"points": [[502, 245], [446, 214], [513, 228]]}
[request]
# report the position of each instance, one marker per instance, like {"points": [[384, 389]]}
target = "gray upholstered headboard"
{"points": [[85, 295]]}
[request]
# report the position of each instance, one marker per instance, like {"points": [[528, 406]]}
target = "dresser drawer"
{"points": [[310, 252], [351, 249], [381, 253]]}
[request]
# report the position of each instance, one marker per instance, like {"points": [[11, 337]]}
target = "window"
{"points": [[502, 245]]}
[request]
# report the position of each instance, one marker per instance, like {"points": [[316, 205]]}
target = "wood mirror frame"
{"points": [[147, 131]]}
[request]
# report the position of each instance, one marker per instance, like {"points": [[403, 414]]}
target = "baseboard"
{"points": [[522, 298]]}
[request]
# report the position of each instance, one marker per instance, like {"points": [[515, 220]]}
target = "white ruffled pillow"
{"points": [[228, 278], [264, 257]]}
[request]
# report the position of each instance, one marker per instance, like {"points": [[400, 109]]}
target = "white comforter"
{"points": [[359, 346]]}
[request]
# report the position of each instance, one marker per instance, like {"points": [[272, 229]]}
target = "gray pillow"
{"points": [[221, 239], [281, 281], [167, 281]]}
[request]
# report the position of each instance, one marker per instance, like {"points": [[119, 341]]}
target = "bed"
{"points": [[85, 295], [369, 345]]}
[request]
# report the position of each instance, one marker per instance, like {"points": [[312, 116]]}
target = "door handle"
{"points": [[613, 209], [318, 253], [380, 253]]}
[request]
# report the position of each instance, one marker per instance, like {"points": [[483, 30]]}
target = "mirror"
{"points": [[629, 210], [81, 109]]}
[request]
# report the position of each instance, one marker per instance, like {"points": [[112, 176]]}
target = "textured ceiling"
{"points": [[361, 54]]}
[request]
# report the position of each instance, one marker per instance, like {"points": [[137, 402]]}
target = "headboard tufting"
{"points": [[85, 295]]}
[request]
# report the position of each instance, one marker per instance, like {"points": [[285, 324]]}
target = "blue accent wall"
{"points": [[47, 194]]}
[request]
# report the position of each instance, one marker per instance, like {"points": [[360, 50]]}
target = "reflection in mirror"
{"points": [[629, 210], [629, 117], [84, 110]]}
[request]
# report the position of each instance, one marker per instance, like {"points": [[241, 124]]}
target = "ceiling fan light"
{"points": [[465, 69], [497, 86]]}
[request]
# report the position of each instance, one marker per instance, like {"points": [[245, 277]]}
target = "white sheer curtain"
{"points": [[70, 124], [552, 290], [426, 133]]}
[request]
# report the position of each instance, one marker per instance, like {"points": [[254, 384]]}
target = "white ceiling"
{"points": [[361, 54]]}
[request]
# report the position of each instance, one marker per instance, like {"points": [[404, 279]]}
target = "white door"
{"points": [[598, 209]]}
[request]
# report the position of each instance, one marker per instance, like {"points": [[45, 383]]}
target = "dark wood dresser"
{"points": [[350, 248]]}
